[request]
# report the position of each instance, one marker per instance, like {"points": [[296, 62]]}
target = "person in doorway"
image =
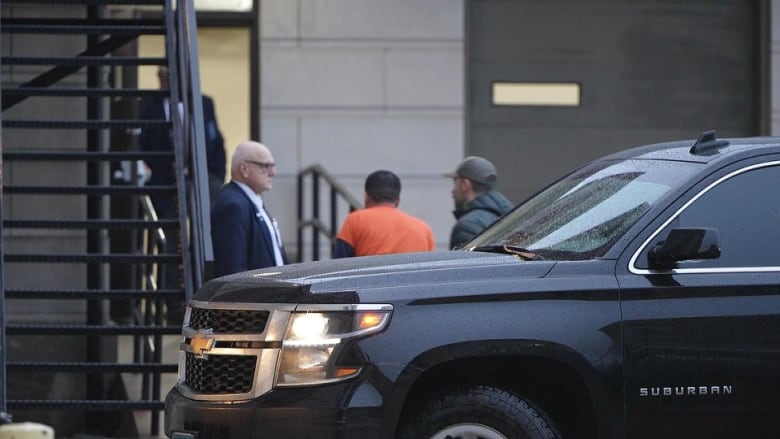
{"points": [[244, 234], [159, 138], [381, 227], [477, 203]]}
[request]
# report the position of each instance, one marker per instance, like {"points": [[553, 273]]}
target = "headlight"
{"points": [[314, 336]]}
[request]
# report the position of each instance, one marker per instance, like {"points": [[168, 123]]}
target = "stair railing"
{"points": [[340, 200], [190, 147], [147, 349], [189, 156]]}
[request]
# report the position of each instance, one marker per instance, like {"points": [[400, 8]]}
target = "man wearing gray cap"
{"points": [[477, 203]]}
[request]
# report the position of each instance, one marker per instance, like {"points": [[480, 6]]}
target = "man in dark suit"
{"points": [[159, 138], [244, 235], [163, 173]]}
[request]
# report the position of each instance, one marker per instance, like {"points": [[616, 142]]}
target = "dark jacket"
{"points": [[474, 217], [240, 238], [158, 138]]}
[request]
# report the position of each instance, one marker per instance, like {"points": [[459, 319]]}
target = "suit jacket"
{"points": [[159, 138], [240, 237]]}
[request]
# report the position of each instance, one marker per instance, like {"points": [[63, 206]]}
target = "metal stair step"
{"points": [[115, 224], [88, 190], [90, 367], [83, 405], [83, 92], [82, 26], [91, 330], [86, 2], [48, 156], [91, 294], [83, 124], [82, 61], [112, 258]]}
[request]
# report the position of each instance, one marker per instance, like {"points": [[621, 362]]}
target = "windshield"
{"points": [[582, 215]]}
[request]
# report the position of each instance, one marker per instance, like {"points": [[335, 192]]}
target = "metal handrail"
{"points": [[148, 213], [146, 349], [337, 193], [189, 158], [5, 417], [190, 147], [199, 197]]}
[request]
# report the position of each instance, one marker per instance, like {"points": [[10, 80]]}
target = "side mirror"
{"points": [[685, 245]]}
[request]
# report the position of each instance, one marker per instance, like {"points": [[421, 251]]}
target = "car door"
{"points": [[702, 340]]}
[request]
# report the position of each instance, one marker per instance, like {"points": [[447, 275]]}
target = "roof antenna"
{"points": [[707, 140]]}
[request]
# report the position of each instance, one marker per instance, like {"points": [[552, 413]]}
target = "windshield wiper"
{"points": [[522, 253]]}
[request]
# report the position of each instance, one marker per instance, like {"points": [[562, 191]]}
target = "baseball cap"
{"points": [[476, 169]]}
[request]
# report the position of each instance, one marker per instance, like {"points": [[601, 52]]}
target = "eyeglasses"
{"points": [[264, 165]]}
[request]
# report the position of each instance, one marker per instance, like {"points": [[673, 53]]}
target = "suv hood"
{"points": [[355, 280]]}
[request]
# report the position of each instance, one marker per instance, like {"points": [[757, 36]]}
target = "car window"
{"points": [[582, 215], [745, 210]]}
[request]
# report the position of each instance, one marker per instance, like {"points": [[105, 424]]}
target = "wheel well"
{"points": [[550, 385]]}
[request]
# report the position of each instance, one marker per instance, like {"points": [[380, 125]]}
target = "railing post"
{"points": [[5, 418], [315, 214], [199, 202], [334, 225], [318, 227], [97, 243], [299, 231]]}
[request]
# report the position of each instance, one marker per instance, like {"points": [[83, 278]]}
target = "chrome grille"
{"points": [[220, 374], [229, 320]]}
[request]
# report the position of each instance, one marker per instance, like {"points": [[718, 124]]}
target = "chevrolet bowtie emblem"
{"points": [[202, 342]]}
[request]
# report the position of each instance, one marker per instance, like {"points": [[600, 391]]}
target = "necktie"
{"points": [[273, 229]]}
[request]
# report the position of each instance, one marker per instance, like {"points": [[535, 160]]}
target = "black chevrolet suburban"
{"points": [[639, 296]]}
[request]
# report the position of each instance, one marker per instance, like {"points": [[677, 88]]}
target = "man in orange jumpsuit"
{"points": [[382, 227]]}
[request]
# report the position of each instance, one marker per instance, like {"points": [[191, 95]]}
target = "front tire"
{"points": [[479, 412]]}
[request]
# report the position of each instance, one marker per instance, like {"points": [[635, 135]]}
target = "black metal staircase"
{"points": [[83, 249]]}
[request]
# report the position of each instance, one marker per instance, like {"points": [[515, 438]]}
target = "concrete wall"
{"points": [[224, 53], [361, 85], [358, 85]]}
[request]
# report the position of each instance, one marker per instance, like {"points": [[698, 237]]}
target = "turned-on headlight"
{"points": [[316, 332]]}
